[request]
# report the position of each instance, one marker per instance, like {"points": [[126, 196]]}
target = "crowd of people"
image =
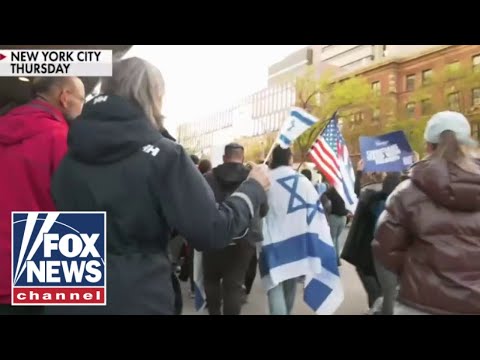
{"points": [[414, 237]]}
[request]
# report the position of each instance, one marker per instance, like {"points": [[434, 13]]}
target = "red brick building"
{"points": [[405, 81]]}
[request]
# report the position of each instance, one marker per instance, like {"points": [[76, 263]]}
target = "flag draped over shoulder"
{"points": [[331, 157], [297, 123], [297, 242]]}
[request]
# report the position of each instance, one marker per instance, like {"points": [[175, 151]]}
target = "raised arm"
{"points": [[189, 206]]}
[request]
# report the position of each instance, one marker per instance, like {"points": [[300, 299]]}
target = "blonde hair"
{"points": [[139, 82], [449, 149]]}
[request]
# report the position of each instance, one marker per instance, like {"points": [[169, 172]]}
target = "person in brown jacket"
{"points": [[429, 234]]}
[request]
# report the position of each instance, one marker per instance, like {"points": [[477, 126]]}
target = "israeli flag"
{"points": [[200, 297], [297, 123], [297, 242]]}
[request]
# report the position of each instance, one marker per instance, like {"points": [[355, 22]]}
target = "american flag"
{"points": [[330, 154]]}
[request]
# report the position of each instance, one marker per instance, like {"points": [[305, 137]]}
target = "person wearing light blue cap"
{"points": [[429, 233], [449, 121]]}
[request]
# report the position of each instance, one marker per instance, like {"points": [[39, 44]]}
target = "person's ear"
{"points": [[64, 98]]}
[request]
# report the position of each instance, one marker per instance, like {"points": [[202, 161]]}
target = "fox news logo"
{"points": [[58, 258]]}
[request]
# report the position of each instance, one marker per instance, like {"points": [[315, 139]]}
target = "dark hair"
{"points": [[204, 166], [307, 173], [280, 157], [234, 150], [195, 159], [449, 149], [390, 182]]}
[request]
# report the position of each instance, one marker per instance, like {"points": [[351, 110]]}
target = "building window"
{"points": [[376, 115], [453, 69], [410, 109], [427, 77], [358, 117], [426, 107], [454, 101], [476, 63], [376, 88], [410, 82], [476, 97]]}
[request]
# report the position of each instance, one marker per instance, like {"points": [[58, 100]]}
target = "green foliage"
{"points": [[451, 79], [256, 150], [413, 129], [322, 98]]}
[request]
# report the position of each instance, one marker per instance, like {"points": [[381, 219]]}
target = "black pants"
{"points": [[251, 273], [6, 309], [178, 294], [186, 272], [371, 286], [224, 275]]}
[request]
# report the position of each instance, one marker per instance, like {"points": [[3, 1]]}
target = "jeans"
{"points": [[337, 225], [282, 297], [388, 283], [371, 286]]}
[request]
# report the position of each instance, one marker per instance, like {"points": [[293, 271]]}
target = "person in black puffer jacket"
{"points": [[118, 162], [357, 250]]}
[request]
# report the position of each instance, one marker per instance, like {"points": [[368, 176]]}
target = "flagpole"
{"points": [[275, 143], [270, 153]]}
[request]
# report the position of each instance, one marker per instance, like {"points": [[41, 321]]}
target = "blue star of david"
{"points": [[290, 183]]}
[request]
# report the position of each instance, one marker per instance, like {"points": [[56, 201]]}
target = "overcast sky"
{"points": [[203, 79]]}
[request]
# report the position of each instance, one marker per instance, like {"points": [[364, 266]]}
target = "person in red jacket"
{"points": [[33, 141]]}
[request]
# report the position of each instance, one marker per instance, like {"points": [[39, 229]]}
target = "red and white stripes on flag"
{"points": [[330, 155]]}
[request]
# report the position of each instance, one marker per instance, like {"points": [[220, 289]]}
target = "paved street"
{"points": [[355, 302]]}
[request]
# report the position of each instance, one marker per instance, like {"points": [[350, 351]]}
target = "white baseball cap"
{"points": [[449, 120]]}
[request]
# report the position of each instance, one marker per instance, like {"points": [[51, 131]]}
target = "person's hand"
{"points": [[260, 174], [360, 165]]}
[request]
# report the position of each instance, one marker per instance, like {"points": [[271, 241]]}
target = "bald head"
{"points": [[65, 93]]}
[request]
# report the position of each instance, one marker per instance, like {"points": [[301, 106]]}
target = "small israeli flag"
{"points": [[297, 123]]}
